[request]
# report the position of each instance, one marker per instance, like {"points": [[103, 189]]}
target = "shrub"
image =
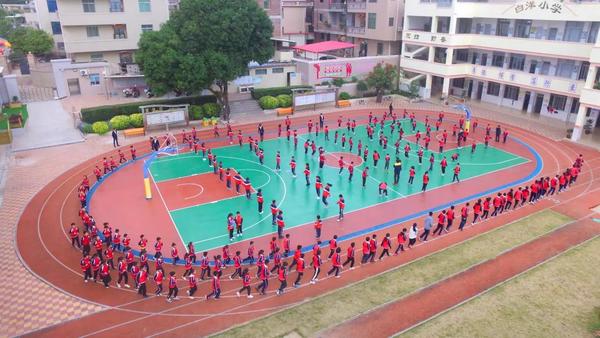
{"points": [[354, 79], [211, 109], [195, 112], [268, 102], [284, 100], [338, 82], [104, 113], [86, 128], [362, 86], [274, 91], [136, 120], [100, 127], [345, 96], [120, 122]]}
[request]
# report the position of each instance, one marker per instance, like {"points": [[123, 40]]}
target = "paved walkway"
{"points": [[48, 125]]}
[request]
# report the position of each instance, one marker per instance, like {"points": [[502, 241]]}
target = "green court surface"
{"points": [[205, 224]]}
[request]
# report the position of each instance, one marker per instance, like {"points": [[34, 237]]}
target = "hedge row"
{"points": [[274, 91], [105, 113]]}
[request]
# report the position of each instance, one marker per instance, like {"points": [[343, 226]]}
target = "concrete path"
{"points": [[48, 125]]}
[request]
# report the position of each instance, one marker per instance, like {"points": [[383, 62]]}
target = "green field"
{"points": [[205, 224]]}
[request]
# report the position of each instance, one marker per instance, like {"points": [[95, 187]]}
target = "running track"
{"points": [[40, 234]]}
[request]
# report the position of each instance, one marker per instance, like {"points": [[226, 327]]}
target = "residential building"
{"points": [[374, 26], [538, 56], [292, 19], [47, 20]]}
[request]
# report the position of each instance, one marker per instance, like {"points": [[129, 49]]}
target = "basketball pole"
{"points": [[147, 187]]}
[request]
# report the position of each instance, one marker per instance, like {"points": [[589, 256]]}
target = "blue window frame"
{"points": [[56, 30], [52, 7]]}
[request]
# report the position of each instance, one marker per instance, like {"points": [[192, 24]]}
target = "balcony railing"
{"points": [[336, 6], [356, 30], [356, 6]]}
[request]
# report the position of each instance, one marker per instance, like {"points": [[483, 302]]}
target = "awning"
{"points": [[324, 46]]}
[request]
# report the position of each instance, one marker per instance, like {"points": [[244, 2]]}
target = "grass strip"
{"points": [[556, 299], [318, 313]]}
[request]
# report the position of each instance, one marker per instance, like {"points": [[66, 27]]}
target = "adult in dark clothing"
{"points": [[115, 138], [498, 133]]}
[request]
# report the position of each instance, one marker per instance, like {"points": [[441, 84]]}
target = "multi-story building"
{"points": [[538, 56], [108, 30], [292, 19], [47, 18], [375, 27]]}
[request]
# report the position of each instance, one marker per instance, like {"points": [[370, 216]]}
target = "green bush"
{"points": [[211, 110], [136, 120], [195, 112], [354, 79], [345, 96], [285, 101], [105, 113], [274, 91], [100, 127], [120, 122], [268, 102], [338, 82], [362, 86], [86, 128]]}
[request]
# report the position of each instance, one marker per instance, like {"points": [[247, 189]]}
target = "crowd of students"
{"points": [[100, 246]]}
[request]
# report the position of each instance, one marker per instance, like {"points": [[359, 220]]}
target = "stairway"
{"points": [[244, 108]]}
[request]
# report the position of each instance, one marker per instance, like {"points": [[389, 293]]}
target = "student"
{"points": [[307, 174], [141, 279], [350, 253], [336, 263], [174, 253], [245, 283], [332, 246], [411, 175], [383, 189], [397, 170], [449, 218], [173, 289], [326, 194], [204, 265], [230, 226], [366, 250], [215, 288], [296, 257], [318, 186], [341, 204], [425, 181], [316, 264], [440, 224], [282, 277], [260, 200], [237, 265], [276, 260], [293, 166], [122, 270], [318, 225], [365, 174], [274, 210], [486, 208], [300, 270], [239, 221], [280, 224], [264, 278], [158, 279], [456, 172], [412, 235], [386, 244], [464, 215], [373, 248], [427, 225], [286, 245], [401, 241], [188, 266]]}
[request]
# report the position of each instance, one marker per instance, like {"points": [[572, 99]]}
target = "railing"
{"points": [[356, 6], [337, 6], [356, 30]]}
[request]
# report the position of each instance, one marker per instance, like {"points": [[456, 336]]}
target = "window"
{"points": [[119, 32], [502, 27], [372, 21], [574, 106], [573, 31], [465, 24], [483, 59], [545, 68], [372, 0], [517, 61], [391, 22], [92, 31], [60, 45], [583, 70], [260, 72], [277, 70], [522, 28], [462, 55], [458, 83], [116, 6], [493, 89], [147, 28], [558, 102], [552, 32], [56, 30], [498, 60], [89, 6], [511, 92], [94, 79], [474, 58], [379, 48], [52, 7], [593, 32], [564, 68], [144, 5], [96, 57], [266, 4], [321, 17]]}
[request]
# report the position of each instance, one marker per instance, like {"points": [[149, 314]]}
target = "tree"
{"points": [[28, 39], [204, 45], [382, 78]]}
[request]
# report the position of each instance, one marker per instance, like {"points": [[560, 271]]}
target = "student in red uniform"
{"points": [[86, 267], [158, 279], [373, 248], [282, 277], [318, 225], [173, 289], [332, 246], [246, 280], [425, 181], [477, 210], [383, 189], [122, 270], [440, 223], [297, 254], [293, 166], [264, 278], [456, 173], [204, 265], [449, 218], [239, 221], [192, 283], [300, 270], [365, 174], [318, 186], [386, 245], [366, 250], [141, 279], [342, 205], [74, 234], [401, 240], [237, 265], [286, 245], [260, 200], [105, 274], [174, 253], [350, 254], [280, 224], [108, 257], [411, 175], [215, 286]]}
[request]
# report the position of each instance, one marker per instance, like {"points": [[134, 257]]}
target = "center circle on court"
{"points": [[332, 159]]}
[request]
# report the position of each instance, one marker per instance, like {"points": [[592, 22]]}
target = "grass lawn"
{"points": [[13, 111], [560, 298], [317, 314]]}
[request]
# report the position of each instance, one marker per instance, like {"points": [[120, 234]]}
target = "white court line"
{"points": [[194, 185], [167, 209]]}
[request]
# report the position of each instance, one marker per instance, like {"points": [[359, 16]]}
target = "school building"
{"points": [[538, 56]]}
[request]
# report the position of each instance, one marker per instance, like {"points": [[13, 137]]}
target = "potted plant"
{"points": [[205, 122], [15, 102], [214, 121]]}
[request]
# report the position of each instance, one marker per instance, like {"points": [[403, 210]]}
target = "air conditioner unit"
{"points": [[83, 72]]}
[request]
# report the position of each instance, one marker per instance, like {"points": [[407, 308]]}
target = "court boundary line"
{"points": [[167, 209]]}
